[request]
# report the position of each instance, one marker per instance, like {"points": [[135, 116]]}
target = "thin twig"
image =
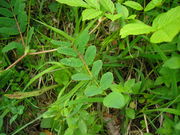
{"points": [[26, 54], [17, 61], [99, 22], [41, 52], [147, 129]]}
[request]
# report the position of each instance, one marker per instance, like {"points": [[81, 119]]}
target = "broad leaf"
{"points": [[108, 5], [81, 41], [135, 29], [114, 100], [152, 4], [167, 26], [173, 62], [80, 77], [89, 14], [122, 10], [75, 3], [90, 55], [97, 65], [92, 90], [82, 126], [106, 80], [67, 51], [93, 3], [133, 4], [72, 62], [113, 17]]}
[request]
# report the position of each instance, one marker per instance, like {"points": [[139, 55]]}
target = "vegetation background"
{"points": [[89, 67]]}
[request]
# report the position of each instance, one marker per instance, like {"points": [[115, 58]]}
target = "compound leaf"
{"points": [[114, 100], [80, 77], [106, 80], [90, 55], [72, 62]]}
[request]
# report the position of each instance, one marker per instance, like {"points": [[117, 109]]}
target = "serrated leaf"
{"points": [[108, 5], [80, 77], [152, 4], [72, 62], [93, 3], [92, 91], [6, 12], [135, 29], [133, 4], [67, 51], [114, 100], [74, 3], [90, 55], [106, 80], [89, 14], [173, 63], [113, 17], [97, 65], [167, 26], [81, 41]]}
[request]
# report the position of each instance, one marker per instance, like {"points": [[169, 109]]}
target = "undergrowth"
{"points": [[89, 67]]}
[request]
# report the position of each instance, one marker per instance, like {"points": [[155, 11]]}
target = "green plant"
{"points": [[121, 72]]}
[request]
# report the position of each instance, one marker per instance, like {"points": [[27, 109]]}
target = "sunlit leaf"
{"points": [[75, 3], [114, 100], [135, 29], [108, 5], [173, 63], [89, 14], [152, 4], [133, 4], [167, 26], [93, 3]]}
